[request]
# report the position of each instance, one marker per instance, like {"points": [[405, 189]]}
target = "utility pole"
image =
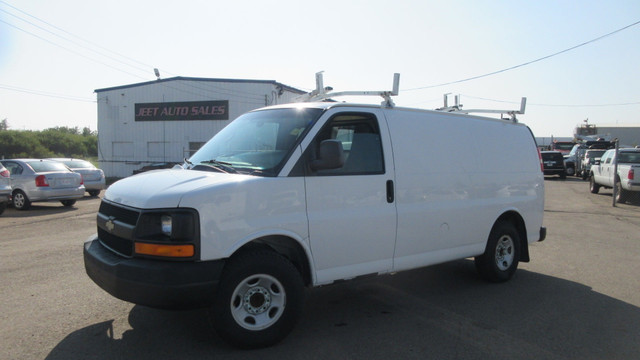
{"points": [[615, 175]]}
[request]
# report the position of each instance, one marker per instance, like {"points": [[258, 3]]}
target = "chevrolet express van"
{"points": [[303, 195]]}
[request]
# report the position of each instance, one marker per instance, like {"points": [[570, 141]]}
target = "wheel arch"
{"points": [[286, 247], [516, 219]]}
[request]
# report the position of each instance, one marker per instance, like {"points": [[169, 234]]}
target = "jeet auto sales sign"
{"points": [[183, 111]]}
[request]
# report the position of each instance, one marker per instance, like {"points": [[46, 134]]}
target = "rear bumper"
{"points": [[5, 196], [48, 194], [95, 185], [153, 283]]}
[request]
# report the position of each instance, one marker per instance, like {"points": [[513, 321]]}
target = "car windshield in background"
{"points": [[256, 143], [629, 158], [44, 166]]}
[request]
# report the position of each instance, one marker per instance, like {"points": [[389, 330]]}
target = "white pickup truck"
{"points": [[603, 174]]}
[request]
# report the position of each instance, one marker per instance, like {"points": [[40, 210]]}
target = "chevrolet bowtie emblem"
{"points": [[109, 224]]}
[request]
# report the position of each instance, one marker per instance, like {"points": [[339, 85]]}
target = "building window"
{"points": [[195, 146], [122, 149], [156, 149]]}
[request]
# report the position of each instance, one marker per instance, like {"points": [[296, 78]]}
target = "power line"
{"points": [[526, 63], [44, 93], [71, 51], [554, 105], [243, 95]]}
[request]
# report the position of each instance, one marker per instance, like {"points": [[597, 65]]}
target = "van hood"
{"points": [[164, 188]]}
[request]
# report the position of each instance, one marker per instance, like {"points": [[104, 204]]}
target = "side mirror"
{"points": [[596, 162], [330, 156]]}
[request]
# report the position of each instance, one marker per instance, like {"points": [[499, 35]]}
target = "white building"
{"points": [[166, 120]]}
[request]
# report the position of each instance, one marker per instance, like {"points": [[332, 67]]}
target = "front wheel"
{"points": [[259, 299], [502, 254]]}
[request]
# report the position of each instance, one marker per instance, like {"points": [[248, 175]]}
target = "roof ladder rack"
{"points": [[323, 93], [458, 108]]}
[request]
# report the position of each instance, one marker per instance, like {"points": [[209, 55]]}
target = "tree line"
{"points": [[53, 142]]}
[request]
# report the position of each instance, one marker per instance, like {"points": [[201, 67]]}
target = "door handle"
{"points": [[390, 194]]}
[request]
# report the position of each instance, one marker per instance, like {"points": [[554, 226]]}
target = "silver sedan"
{"points": [[93, 177], [5, 188], [35, 180]]}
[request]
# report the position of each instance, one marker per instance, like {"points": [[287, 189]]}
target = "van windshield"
{"points": [[256, 143]]}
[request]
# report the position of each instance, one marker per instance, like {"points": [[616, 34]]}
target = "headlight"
{"points": [[165, 224], [169, 225]]}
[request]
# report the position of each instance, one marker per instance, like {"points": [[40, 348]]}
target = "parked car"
{"points": [[34, 180], [590, 157], [93, 178], [155, 166], [5, 188], [603, 173], [553, 163]]}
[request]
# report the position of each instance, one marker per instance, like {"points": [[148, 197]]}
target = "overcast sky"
{"points": [[54, 54]]}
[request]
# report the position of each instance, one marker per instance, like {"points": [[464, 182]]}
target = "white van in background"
{"points": [[306, 194]]}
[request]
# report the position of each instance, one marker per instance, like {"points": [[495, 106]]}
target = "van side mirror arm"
{"points": [[330, 156]]}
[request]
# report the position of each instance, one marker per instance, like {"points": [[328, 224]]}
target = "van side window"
{"points": [[360, 137]]}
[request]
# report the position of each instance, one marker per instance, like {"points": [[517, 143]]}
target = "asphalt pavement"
{"points": [[578, 298]]}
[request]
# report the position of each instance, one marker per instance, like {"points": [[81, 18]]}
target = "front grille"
{"points": [[121, 214], [115, 243], [121, 245]]}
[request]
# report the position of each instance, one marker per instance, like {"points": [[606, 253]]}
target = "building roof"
{"points": [[273, 82]]}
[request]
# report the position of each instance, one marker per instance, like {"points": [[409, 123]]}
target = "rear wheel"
{"points": [[622, 195], [68, 203], [20, 200], [3, 206], [502, 254], [570, 170], [593, 187], [259, 299], [94, 192]]}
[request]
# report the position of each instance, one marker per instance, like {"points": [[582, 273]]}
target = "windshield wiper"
{"points": [[221, 165]]}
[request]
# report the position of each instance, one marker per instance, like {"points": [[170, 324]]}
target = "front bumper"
{"points": [[153, 283]]}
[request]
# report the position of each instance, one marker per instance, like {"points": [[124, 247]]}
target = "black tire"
{"points": [[20, 200], [502, 254], [585, 175], [259, 299], [570, 171], [3, 206], [94, 192], [563, 175], [593, 187], [68, 203], [622, 195]]}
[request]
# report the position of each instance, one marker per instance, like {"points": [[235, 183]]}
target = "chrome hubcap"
{"points": [[258, 302], [505, 252]]}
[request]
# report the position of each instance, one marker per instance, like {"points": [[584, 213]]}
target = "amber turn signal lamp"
{"points": [[165, 250]]}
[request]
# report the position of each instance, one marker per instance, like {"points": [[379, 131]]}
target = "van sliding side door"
{"points": [[351, 210]]}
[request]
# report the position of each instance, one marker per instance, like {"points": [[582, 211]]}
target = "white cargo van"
{"points": [[306, 194]]}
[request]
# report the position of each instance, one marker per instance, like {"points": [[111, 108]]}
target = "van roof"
{"points": [[325, 105]]}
